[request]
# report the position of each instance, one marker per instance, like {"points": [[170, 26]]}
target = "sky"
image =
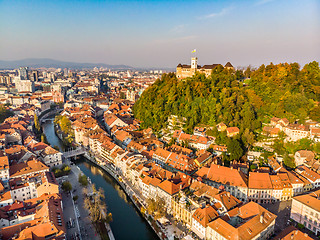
{"points": [[161, 33]]}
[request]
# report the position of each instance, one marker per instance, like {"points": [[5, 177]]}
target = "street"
{"points": [[282, 210]]}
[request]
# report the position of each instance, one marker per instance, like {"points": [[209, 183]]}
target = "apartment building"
{"points": [[305, 209]]}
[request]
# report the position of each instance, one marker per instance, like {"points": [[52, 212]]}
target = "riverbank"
{"points": [[130, 192], [75, 209], [128, 221], [105, 231]]}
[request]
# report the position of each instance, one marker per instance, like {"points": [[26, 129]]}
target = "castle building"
{"points": [[184, 71]]}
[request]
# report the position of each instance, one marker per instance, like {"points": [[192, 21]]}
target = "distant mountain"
{"points": [[47, 63]]}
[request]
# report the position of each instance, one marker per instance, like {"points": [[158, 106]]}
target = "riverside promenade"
{"points": [[130, 191], [75, 172]]}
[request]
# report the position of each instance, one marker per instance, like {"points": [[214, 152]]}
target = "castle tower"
{"points": [[194, 63]]}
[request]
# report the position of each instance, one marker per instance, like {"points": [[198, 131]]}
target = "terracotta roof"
{"points": [[308, 173], [4, 163], [205, 215], [258, 180], [169, 187], [233, 130], [224, 175], [253, 219], [228, 65], [292, 233], [309, 155], [28, 168], [312, 200]]}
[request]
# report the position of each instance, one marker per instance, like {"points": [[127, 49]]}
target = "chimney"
{"points": [[261, 218]]}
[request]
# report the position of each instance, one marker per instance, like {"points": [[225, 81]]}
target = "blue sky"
{"points": [[161, 33]]}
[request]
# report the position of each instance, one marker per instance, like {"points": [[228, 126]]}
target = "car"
{"points": [[72, 223]]}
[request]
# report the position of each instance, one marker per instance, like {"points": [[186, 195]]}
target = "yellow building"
{"points": [[287, 190], [182, 211], [184, 71]]}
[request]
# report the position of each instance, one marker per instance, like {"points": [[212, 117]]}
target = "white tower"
{"points": [[194, 63]]}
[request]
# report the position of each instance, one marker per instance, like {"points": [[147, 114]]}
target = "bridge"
{"points": [[48, 115], [43, 120], [74, 152]]}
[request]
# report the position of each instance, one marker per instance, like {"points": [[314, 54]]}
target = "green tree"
{"points": [[83, 180], [156, 207], [75, 198], [44, 138], [234, 149], [248, 138], [5, 112], [172, 141], [289, 161], [66, 186], [37, 123], [316, 147], [96, 205]]}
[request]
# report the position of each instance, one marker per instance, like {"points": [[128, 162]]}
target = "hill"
{"points": [[47, 63], [282, 90]]}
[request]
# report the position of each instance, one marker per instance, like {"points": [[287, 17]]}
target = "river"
{"points": [[127, 222]]}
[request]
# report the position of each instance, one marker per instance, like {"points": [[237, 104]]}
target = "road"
{"points": [[282, 210]]}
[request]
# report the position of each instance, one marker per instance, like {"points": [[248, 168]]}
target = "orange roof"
{"points": [[224, 175], [291, 233], [259, 180], [27, 168], [311, 200], [205, 215], [4, 162], [254, 219], [233, 130], [169, 187]]}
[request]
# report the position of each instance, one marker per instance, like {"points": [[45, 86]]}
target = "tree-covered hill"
{"points": [[281, 90]]}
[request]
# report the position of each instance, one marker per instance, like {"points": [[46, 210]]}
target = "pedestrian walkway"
{"points": [[75, 211]]}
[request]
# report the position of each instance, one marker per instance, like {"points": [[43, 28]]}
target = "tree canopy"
{"points": [[282, 90]]}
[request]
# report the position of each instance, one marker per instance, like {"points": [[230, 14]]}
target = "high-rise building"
{"points": [[23, 73], [35, 75]]}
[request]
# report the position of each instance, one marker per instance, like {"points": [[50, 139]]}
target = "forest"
{"points": [[242, 99], [281, 90]]}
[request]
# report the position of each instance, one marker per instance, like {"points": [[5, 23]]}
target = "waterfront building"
{"points": [[51, 157], [182, 210]]}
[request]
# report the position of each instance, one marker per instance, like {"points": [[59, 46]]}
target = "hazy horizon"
{"points": [[161, 33]]}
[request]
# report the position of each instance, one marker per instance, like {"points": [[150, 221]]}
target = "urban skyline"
{"points": [[161, 33]]}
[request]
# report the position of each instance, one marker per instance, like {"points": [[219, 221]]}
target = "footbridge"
{"points": [[71, 152]]}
